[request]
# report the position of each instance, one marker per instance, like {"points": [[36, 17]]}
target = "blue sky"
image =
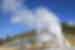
{"points": [[65, 9]]}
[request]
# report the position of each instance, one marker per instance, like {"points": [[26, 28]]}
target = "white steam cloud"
{"points": [[28, 17], [41, 15]]}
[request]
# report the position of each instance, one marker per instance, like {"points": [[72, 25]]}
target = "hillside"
{"points": [[69, 32]]}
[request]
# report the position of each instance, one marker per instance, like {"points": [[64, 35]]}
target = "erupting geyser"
{"points": [[49, 28]]}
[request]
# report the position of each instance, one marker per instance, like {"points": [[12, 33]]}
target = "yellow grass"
{"points": [[8, 49]]}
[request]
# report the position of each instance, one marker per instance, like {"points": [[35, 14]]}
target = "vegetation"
{"points": [[68, 28], [2, 41]]}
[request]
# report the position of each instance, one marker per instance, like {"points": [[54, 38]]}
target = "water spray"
{"points": [[47, 19]]}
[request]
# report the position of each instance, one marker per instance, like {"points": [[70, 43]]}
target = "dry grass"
{"points": [[8, 49]]}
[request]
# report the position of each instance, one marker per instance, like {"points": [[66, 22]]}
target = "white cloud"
{"points": [[23, 17], [27, 17], [8, 5]]}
